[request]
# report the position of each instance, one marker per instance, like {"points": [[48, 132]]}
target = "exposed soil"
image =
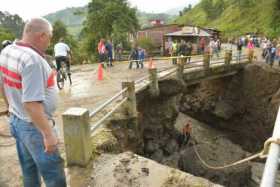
{"points": [[242, 108]]}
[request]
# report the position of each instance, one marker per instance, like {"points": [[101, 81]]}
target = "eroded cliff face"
{"points": [[162, 125], [239, 111], [230, 117], [245, 106]]}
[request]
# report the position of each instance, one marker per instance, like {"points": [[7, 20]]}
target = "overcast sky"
{"points": [[34, 8]]}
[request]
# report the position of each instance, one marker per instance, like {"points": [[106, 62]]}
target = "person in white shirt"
{"points": [[62, 52]]}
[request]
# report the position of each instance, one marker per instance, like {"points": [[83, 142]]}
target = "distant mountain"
{"points": [[13, 23], [73, 18], [174, 11]]}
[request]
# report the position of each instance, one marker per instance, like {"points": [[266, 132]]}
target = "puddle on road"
{"points": [[82, 85]]}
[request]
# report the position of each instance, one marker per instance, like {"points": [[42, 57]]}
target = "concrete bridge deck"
{"points": [[86, 92]]}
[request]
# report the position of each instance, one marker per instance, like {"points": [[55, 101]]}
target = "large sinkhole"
{"points": [[231, 117]]}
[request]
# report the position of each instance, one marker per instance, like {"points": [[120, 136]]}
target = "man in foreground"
{"points": [[28, 86]]}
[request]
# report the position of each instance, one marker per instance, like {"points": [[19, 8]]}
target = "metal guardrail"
{"points": [[147, 82], [141, 79], [99, 123], [101, 107], [222, 58], [272, 162], [168, 74], [76, 121], [142, 86]]}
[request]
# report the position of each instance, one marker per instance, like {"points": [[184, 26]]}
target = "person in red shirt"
{"points": [[102, 51]]}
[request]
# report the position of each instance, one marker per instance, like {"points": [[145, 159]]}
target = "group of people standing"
{"points": [[105, 53], [270, 51], [215, 47], [181, 49], [137, 55]]}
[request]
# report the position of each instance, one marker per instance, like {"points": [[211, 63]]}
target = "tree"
{"points": [[213, 8], [275, 21], [12, 22], [59, 31], [147, 44], [185, 10], [6, 34], [112, 19]]}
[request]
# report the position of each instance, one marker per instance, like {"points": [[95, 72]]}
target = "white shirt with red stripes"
{"points": [[26, 77]]}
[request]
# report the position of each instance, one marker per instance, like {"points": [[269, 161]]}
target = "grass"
{"points": [[235, 21]]}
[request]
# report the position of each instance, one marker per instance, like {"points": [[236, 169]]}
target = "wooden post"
{"points": [[77, 136], [131, 109], [180, 69], [154, 89], [131, 98], [228, 57], [206, 62], [250, 55]]}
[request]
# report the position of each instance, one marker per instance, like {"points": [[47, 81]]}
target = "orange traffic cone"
{"points": [[100, 72], [151, 64]]}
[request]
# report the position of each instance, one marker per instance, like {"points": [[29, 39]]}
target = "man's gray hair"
{"points": [[37, 25]]}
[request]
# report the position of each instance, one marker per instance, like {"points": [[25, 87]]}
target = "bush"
{"points": [[147, 44]]}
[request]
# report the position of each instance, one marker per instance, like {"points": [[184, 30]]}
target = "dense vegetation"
{"points": [[236, 17], [112, 20], [11, 23], [60, 31], [115, 20]]}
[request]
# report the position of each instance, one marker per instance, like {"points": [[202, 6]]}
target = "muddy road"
{"points": [[86, 91]]}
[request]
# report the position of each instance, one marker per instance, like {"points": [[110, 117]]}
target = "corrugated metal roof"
{"points": [[190, 31]]}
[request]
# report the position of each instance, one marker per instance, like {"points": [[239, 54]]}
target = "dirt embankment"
{"points": [[162, 125], [245, 106], [239, 111]]}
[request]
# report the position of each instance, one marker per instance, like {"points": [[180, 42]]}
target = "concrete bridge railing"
{"points": [[76, 121]]}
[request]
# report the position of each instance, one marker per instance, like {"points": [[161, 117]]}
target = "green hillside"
{"points": [[73, 18], [235, 17]]}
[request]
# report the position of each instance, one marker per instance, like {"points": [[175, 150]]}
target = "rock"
{"points": [[224, 110], [110, 172], [170, 87], [245, 104], [158, 155], [151, 147], [104, 141], [170, 147], [132, 136], [257, 172]]}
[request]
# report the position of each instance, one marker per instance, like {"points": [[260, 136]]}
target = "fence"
{"points": [[76, 121], [272, 162]]}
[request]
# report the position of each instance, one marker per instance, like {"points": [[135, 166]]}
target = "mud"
{"points": [[130, 170]]}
